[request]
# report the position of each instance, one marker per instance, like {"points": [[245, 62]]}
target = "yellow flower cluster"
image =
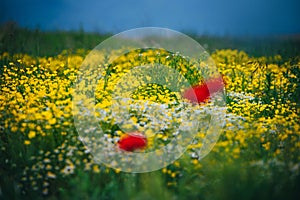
{"points": [[262, 120]]}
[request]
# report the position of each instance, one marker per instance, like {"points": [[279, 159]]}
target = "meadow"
{"points": [[256, 157]]}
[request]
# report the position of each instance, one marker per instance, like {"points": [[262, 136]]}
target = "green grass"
{"points": [[220, 177], [14, 39]]}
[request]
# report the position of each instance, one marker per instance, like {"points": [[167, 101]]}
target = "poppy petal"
{"points": [[201, 93], [132, 141]]}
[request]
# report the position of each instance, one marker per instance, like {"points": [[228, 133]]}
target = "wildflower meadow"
{"points": [[256, 156]]}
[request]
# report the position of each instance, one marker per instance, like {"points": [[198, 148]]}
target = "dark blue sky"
{"points": [[220, 17]]}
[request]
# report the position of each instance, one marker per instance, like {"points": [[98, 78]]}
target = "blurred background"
{"points": [[259, 27], [216, 17]]}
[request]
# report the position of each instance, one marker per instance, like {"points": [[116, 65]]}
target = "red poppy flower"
{"points": [[132, 141], [201, 93]]}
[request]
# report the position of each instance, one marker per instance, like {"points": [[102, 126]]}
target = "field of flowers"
{"points": [[256, 156]]}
